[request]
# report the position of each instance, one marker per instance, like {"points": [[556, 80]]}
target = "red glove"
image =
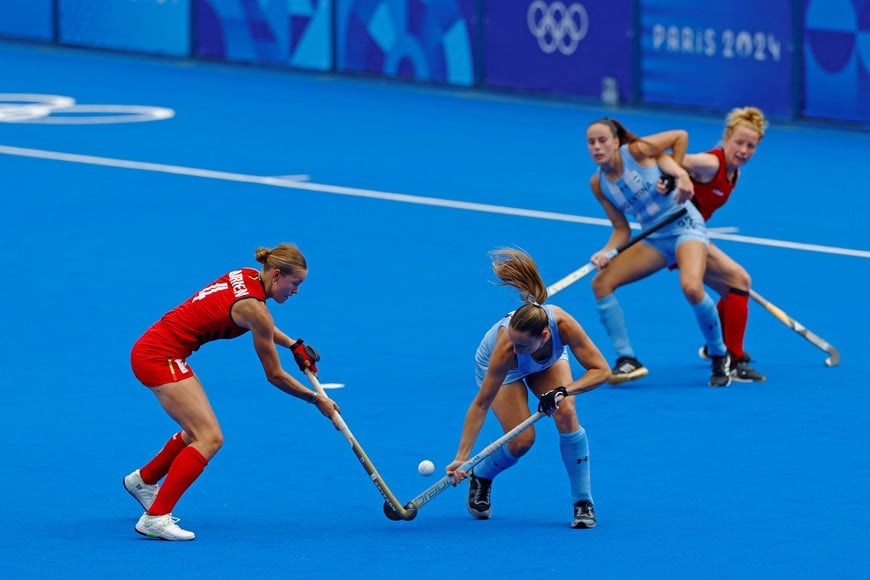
{"points": [[305, 353]]}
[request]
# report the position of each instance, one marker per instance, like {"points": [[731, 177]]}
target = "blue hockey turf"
{"points": [[395, 193]]}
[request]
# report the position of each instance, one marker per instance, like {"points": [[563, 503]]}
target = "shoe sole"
{"points": [[740, 379], [625, 377], [147, 535], [583, 525], [156, 537], [720, 386], [479, 515]]}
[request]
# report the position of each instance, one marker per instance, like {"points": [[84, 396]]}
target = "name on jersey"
{"points": [[238, 282]]}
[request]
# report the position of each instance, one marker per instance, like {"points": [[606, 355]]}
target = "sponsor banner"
{"points": [[429, 41], [31, 19], [563, 46], [151, 26], [282, 32], [724, 55], [837, 59]]}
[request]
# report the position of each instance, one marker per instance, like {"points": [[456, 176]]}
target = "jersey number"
{"points": [[210, 290]]}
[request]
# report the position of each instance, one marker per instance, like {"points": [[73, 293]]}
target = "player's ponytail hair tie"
{"points": [[528, 298]]}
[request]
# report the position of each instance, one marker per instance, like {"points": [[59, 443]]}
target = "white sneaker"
{"points": [[162, 528], [142, 492]]}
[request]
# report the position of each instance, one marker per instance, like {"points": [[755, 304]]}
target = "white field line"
{"points": [[387, 196]]}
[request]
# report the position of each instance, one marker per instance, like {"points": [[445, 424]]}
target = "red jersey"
{"points": [[711, 196], [203, 317]]}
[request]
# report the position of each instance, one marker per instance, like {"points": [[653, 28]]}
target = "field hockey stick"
{"points": [[589, 266], [834, 355], [446, 482], [392, 508]]}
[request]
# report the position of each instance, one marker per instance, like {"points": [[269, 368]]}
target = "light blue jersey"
{"points": [[634, 193], [526, 365]]}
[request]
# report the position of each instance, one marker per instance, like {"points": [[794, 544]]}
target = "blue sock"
{"points": [[708, 320], [611, 316], [575, 454], [500, 460]]}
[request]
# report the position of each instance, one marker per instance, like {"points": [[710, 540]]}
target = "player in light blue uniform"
{"points": [[629, 168], [528, 350], [526, 365]]}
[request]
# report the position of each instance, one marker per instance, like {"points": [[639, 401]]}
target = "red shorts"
{"points": [[154, 369]]}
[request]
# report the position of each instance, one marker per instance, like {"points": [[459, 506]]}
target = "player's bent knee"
{"points": [[210, 443], [694, 295], [745, 280], [601, 287], [566, 422], [521, 445]]}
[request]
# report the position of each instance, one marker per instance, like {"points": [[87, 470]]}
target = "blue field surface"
{"points": [[395, 193]]}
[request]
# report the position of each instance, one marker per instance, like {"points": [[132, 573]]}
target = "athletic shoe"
{"points": [[479, 492], [584, 515], [142, 492], [702, 353], [743, 373], [721, 376], [163, 527], [627, 369]]}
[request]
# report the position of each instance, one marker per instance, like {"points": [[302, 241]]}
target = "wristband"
{"points": [[313, 399]]}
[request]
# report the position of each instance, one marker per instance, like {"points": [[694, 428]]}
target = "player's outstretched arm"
{"points": [[586, 352]]}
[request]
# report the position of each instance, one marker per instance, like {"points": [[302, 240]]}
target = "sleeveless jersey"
{"points": [[635, 193], [711, 196], [204, 317], [525, 363]]}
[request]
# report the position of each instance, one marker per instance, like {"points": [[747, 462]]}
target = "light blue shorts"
{"points": [[687, 229]]}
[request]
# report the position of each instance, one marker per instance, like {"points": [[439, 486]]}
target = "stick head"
{"points": [[390, 512], [394, 516]]}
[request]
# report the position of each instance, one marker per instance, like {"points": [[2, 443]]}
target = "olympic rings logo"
{"points": [[558, 27], [60, 110]]}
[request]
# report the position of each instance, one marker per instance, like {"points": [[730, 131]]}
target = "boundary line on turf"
{"points": [[291, 183]]}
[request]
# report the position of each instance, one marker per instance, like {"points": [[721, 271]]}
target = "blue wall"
{"points": [[797, 59]]}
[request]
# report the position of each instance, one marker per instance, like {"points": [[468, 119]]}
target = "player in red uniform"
{"points": [[714, 175], [230, 306]]}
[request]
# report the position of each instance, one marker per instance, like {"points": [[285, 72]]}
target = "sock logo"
{"points": [[582, 459]]}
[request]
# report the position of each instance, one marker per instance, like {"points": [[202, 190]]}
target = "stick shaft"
{"points": [[834, 355], [584, 270], [364, 460], [445, 482]]}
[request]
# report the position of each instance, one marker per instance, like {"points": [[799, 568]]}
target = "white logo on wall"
{"points": [[557, 26], [61, 110], [728, 43]]}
